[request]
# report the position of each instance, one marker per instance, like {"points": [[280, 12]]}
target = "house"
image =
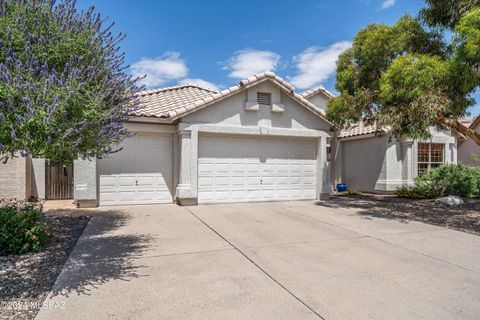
{"points": [[370, 159], [467, 148], [256, 141]]}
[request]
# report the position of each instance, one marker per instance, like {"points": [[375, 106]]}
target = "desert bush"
{"points": [[409, 192], [451, 179], [21, 227], [350, 193]]}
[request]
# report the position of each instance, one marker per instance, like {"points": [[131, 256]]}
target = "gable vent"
{"points": [[264, 98]]}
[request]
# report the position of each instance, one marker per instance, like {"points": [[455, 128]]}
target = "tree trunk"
{"points": [[459, 127]]}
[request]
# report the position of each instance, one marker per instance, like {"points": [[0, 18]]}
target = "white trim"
{"points": [[151, 128], [243, 130], [361, 136], [145, 119]]}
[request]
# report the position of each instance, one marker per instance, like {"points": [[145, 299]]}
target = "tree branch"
{"points": [[459, 127]]}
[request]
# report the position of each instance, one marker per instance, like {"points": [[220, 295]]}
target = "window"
{"points": [[430, 155], [264, 98]]}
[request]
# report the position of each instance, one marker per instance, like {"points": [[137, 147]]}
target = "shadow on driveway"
{"points": [[103, 253], [370, 208]]}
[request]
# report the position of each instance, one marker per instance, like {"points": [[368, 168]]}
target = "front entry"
{"points": [[59, 181]]}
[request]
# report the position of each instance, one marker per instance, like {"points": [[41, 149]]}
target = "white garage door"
{"points": [[236, 169], [139, 174]]}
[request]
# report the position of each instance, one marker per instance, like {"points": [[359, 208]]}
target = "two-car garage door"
{"points": [[142, 173], [238, 168]]}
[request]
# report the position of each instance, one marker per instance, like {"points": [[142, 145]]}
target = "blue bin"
{"points": [[341, 187]]}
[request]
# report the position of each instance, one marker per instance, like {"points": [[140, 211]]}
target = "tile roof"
{"points": [[472, 124], [475, 122], [466, 122], [159, 102], [360, 129], [313, 91], [174, 102]]}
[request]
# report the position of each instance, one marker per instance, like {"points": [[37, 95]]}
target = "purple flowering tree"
{"points": [[64, 92]]}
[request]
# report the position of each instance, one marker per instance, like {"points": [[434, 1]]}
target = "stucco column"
{"points": [[38, 177], [452, 156], [408, 163], [85, 180], [415, 159], [323, 177], [186, 192], [336, 161]]}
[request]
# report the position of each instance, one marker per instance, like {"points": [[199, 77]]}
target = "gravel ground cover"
{"points": [[25, 280], [464, 217]]}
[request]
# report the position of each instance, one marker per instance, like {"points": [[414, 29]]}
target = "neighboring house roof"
{"points": [[472, 124], [175, 102], [313, 91], [475, 122], [360, 129], [466, 122]]}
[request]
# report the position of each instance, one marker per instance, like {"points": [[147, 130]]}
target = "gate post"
{"points": [[85, 183], [38, 177]]}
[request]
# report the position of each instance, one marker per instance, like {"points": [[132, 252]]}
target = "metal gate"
{"points": [[59, 181]]}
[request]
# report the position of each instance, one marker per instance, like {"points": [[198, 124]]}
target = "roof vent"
{"points": [[264, 98]]}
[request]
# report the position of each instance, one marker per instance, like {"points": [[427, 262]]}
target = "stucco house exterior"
{"points": [[259, 140], [370, 159], [467, 148], [256, 141]]}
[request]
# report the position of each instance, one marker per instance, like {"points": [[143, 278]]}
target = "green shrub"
{"points": [[350, 193], [452, 179], [409, 192], [21, 228]]}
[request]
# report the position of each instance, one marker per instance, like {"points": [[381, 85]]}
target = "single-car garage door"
{"points": [[236, 169], [139, 174]]}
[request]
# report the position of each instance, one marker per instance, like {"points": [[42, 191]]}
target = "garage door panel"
{"points": [[109, 196], [126, 196], [255, 169], [253, 181], [222, 182], [205, 181], [127, 181], [268, 181], [108, 181], [237, 194], [238, 181], [140, 173], [222, 195], [238, 166], [150, 195]]}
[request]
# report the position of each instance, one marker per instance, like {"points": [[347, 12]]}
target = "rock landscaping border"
{"points": [[464, 217]]}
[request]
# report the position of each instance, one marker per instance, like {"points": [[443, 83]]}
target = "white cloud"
{"points": [[159, 70], [315, 65], [246, 63], [200, 82], [387, 4]]}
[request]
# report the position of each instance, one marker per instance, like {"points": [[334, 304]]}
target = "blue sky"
{"points": [[217, 42]]}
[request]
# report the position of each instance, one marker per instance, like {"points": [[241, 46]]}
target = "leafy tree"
{"points": [[420, 72], [63, 90]]}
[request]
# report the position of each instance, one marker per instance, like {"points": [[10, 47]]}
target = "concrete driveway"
{"points": [[285, 260]]}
